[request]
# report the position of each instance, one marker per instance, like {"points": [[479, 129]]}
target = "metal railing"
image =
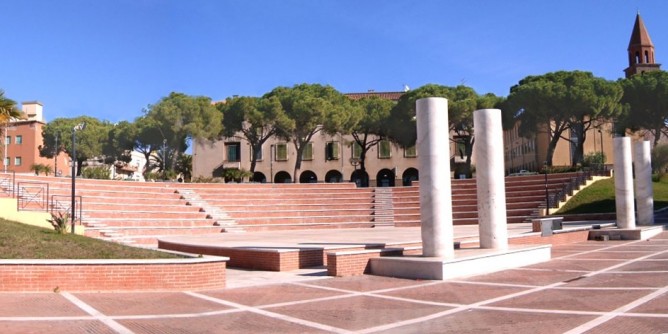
{"points": [[8, 182], [32, 196], [63, 203], [575, 183]]}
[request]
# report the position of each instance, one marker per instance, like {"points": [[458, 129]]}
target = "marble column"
{"points": [[624, 183], [490, 179], [644, 192], [433, 145]]}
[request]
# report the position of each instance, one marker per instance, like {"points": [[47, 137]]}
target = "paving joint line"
{"points": [[270, 314], [118, 328]]}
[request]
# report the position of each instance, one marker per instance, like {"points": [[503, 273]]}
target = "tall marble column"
{"points": [[490, 179], [644, 191], [433, 145], [624, 183]]}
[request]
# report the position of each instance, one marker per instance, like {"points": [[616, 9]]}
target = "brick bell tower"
{"points": [[641, 51]]}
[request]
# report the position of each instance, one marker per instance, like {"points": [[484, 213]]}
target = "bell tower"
{"points": [[641, 51]]}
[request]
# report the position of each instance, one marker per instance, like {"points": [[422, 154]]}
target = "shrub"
{"points": [[594, 160], [98, 173], [59, 221], [660, 159], [41, 168]]}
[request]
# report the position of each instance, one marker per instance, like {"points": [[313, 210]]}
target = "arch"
{"points": [[308, 176], [282, 177], [385, 178], [410, 175], [646, 57], [637, 58], [333, 176], [360, 178], [259, 177]]}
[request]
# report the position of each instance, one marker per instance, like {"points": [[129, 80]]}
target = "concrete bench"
{"points": [[546, 225]]}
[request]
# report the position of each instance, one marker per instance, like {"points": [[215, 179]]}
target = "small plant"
{"points": [[98, 173], [41, 168], [59, 221]]}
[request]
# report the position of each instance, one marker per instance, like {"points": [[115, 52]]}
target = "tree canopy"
{"points": [[179, 118], [309, 109], [256, 119], [560, 101], [646, 102], [462, 102], [368, 125], [90, 141]]}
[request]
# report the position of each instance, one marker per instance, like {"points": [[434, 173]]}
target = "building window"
{"points": [[233, 151], [258, 154], [6, 162], [332, 150], [410, 152], [8, 140], [17, 161], [307, 152], [355, 150], [281, 152], [18, 140], [384, 149]]}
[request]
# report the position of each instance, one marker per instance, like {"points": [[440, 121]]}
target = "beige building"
{"points": [[326, 159]]}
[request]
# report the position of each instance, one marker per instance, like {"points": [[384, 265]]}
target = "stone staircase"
{"points": [[220, 217], [383, 207]]}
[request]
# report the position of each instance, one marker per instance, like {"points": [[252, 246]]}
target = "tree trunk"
{"points": [[298, 162]]}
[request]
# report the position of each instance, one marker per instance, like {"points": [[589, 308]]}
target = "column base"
{"points": [[467, 262]]}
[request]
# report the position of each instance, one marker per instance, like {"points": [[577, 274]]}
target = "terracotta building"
{"points": [[23, 139]]}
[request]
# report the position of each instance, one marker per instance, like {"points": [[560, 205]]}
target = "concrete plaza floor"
{"points": [[588, 287]]}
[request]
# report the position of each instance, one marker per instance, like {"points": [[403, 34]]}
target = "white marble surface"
{"points": [[435, 189], [488, 155], [625, 207], [644, 192]]}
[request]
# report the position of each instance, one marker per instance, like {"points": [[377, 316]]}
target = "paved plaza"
{"points": [[590, 287]]}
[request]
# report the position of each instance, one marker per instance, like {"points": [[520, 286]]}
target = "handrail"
{"points": [[28, 193], [65, 205], [575, 183], [8, 182]]}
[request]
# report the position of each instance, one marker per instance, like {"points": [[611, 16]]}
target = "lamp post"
{"points": [[602, 154], [547, 194], [55, 158], [78, 127]]}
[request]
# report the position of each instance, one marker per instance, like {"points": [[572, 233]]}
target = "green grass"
{"points": [[600, 197], [20, 241]]}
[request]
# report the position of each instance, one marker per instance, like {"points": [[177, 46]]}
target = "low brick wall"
{"points": [[113, 275], [354, 263], [554, 240]]}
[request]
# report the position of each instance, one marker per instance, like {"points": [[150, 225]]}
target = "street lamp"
{"points": [[78, 127], [547, 194], [55, 157]]}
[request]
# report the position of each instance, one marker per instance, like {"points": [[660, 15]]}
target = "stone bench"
{"points": [[546, 225]]}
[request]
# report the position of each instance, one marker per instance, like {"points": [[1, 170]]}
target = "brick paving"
{"points": [[589, 287]]}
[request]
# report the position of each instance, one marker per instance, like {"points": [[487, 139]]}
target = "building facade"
{"points": [[22, 141]]}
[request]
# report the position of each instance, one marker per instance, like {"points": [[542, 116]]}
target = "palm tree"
{"points": [[8, 109]]}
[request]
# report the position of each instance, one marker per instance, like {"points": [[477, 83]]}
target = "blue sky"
{"points": [[110, 59]]}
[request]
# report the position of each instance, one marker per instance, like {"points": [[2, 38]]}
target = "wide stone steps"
{"points": [[184, 215]]}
